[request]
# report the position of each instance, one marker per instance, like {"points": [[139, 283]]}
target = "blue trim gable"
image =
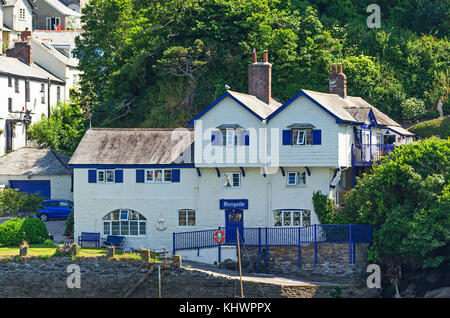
{"points": [[217, 101], [302, 93]]}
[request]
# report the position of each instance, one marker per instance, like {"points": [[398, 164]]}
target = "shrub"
{"points": [[34, 231], [49, 243], [413, 109], [31, 203], [69, 225], [11, 233], [323, 206]]}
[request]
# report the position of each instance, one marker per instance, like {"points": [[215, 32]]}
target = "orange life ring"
{"points": [[217, 239]]}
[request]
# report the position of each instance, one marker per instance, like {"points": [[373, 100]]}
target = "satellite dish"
{"points": [[227, 87]]}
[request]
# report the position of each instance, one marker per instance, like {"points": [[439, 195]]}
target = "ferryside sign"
{"points": [[226, 204]]}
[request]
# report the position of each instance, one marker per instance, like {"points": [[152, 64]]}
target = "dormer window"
{"points": [[228, 135]]}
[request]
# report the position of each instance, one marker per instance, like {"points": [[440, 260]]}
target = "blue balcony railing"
{"points": [[367, 154]]}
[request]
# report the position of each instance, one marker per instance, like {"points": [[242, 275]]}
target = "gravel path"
{"points": [[216, 271]]}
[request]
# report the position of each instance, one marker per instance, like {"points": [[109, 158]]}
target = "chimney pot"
{"points": [[254, 59], [260, 79], [338, 82]]}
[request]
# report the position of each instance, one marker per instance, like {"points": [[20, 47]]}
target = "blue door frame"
{"points": [[234, 220]]}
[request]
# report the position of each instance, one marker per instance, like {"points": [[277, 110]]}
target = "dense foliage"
{"points": [[13, 201], [63, 130], [324, 209], [16, 231], [69, 224], [408, 199], [435, 127], [149, 63]]}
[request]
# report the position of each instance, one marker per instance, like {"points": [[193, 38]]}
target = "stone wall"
{"points": [[332, 258]]}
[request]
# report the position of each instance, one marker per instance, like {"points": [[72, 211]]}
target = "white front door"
{"points": [[366, 145]]}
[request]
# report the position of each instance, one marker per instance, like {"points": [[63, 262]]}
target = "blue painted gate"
{"points": [[39, 187]]}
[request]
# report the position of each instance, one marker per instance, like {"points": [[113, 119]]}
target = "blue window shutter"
{"points": [[175, 175], [245, 138], [287, 137], [140, 176], [317, 137], [92, 176], [216, 139], [119, 176]]}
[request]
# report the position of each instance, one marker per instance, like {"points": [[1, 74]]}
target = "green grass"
{"points": [[438, 126]]}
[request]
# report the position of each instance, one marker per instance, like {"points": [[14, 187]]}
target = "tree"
{"points": [[62, 131], [407, 198], [11, 201]]}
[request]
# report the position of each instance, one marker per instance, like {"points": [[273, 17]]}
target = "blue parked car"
{"points": [[54, 209]]}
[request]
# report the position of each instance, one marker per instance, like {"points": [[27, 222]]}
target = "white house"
{"points": [[41, 171], [27, 91], [249, 162], [54, 15], [17, 17], [56, 62]]}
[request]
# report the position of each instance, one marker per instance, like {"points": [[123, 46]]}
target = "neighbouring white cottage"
{"points": [[249, 162], [41, 171]]}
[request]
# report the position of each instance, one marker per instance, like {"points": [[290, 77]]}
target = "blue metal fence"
{"points": [[279, 236]]}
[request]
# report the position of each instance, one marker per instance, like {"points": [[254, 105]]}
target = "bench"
{"points": [[114, 240], [89, 237]]}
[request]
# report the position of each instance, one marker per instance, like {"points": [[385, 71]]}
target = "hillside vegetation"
{"points": [[435, 127], [151, 63]]}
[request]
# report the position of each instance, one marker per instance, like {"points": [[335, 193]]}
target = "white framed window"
{"points": [[291, 218], [52, 23], [296, 178], [186, 217], [105, 176], [231, 180], [302, 136], [158, 175], [124, 222], [21, 14]]}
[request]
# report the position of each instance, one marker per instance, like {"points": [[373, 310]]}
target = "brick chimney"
{"points": [[22, 49], [338, 81], [260, 78]]}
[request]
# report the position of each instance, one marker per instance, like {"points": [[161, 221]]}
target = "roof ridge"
{"points": [[139, 129]]}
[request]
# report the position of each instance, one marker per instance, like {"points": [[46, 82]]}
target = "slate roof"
{"points": [[62, 8], [134, 146], [255, 104], [46, 45], [34, 161], [13, 66]]}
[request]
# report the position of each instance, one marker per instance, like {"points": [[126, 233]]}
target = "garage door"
{"points": [[41, 187]]}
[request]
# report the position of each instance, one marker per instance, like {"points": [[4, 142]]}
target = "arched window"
{"points": [[124, 222]]}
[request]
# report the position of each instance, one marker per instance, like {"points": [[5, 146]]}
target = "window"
{"points": [[229, 137], [16, 85], [296, 178], [186, 218], [290, 218], [10, 104], [58, 94], [52, 23], [124, 222], [105, 176], [302, 136], [158, 175], [22, 14], [9, 81], [232, 180], [63, 204]]}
